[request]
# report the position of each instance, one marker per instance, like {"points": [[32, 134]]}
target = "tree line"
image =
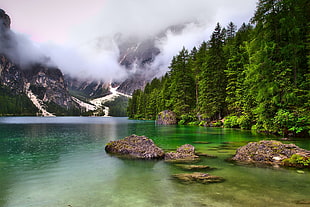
{"points": [[256, 77], [12, 104]]}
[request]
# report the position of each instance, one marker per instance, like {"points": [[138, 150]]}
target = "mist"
{"points": [[100, 63], [92, 52], [121, 20], [146, 18], [20, 48]]}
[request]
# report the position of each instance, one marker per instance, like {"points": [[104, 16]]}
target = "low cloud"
{"points": [[172, 43], [97, 64], [92, 51], [21, 49], [143, 19], [146, 18], [100, 63]]}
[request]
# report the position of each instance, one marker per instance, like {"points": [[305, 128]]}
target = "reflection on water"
{"points": [[61, 162]]}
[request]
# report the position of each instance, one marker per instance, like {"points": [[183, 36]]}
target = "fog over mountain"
{"points": [[85, 42]]}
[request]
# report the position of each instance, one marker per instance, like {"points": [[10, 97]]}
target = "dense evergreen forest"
{"points": [[118, 106], [256, 77], [12, 104]]}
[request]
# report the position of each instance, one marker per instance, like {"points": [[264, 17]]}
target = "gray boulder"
{"points": [[273, 153], [133, 146], [166, 117], [185, 153]]}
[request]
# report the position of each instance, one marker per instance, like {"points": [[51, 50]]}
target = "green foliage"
{"points": [[211, 98], [118, 107], [182, 84], [297, 159], [187, 119], [290, 122], [244, 122], [258, 77], [231, 122], [217, 124], [60, 111], [12, 104]]}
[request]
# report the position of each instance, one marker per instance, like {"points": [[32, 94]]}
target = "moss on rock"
{"points": [[198, 177], [133, 146], [166, 117], [273, 153]]}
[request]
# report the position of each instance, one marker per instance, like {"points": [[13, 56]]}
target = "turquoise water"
{"points": [[61, 161]]}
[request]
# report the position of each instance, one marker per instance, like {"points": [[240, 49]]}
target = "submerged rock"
{"points": [[305, 202], [194, 167], [186, 149], [139, 147], [185, 153], [166, 117], [273, 153], [201, 142], [201, 154], [198, 178]]}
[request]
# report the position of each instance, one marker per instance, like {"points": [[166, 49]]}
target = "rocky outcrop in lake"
{"points": [[193, 167], [273, 153], [133, 146], [141, 147], [185, 153], [198, 177], [166, 117]]}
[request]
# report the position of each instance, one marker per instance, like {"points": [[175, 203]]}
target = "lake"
{"points": [[61, 161]]}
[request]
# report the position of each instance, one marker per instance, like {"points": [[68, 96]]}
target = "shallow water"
{"points": [[61, 162]]}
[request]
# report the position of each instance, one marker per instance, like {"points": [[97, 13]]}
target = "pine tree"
{"points": [[231, 31], [276, 73], [237, 60], [182, 84], [212, 86], [199, 59]]}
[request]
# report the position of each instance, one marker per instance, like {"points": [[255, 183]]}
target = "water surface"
{"points": [[60, 161]]}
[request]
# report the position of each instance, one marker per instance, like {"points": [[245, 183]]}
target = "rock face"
{"points": [[6, 21], [185, 153], [43, 85], [87, 88], [139, 147], [166, 118], [203, 178], [273, 153], [49, 86], [11, 76]]}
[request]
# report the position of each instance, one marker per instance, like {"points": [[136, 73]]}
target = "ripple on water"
{"points": [[62, 162]]}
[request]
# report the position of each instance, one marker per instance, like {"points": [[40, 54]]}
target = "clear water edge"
{"points": [[61, 162]]}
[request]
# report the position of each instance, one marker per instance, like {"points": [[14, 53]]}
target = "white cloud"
{"points": [[91, 51]]}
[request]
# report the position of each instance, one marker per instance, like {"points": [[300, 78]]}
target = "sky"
{"points": [[68, 31]]}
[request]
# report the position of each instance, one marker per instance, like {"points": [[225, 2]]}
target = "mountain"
{"points": [[87, 89], [44, 86], [136, 55], [47, 91]]}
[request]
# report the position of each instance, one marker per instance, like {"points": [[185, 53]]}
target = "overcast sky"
{"points": [[73, 23], [58, 20]]}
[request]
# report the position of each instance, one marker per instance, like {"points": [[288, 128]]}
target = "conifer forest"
{"points": [[253, 77]]}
